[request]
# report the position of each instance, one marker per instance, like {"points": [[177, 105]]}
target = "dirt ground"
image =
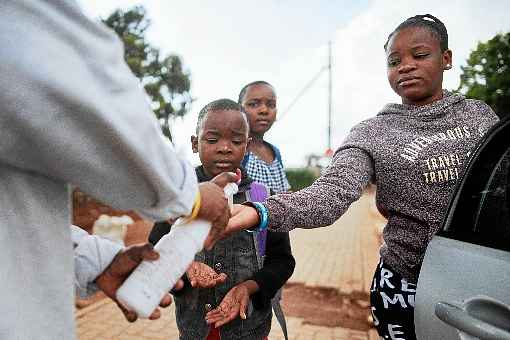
{"points": [[318, 306], [322, 306]]}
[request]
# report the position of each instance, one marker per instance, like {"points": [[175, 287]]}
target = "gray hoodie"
{"points": [[414, 155], [71, 112]]}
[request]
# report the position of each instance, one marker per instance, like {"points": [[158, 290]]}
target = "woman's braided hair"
{"points": [[430, 22]]}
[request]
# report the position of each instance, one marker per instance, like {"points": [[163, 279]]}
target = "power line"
{"points": [[302, 92], [307, 87]]}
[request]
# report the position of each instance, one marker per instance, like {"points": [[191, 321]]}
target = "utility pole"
{"points": [[329, 151], [330, 86]]}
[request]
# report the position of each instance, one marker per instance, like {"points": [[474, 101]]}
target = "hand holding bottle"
{"points": [[119, 269]]}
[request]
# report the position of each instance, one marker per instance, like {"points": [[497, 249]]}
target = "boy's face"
{"points": [[259, 103], [415, 65], [222, 141]]}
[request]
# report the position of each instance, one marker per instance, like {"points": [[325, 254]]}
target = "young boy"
{"points": [[221, 141]]}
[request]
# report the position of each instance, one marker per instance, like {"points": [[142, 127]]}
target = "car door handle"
{"points": [[460, 319]]}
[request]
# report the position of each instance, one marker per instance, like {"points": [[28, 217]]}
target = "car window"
{"points": [[492, 219], [481, 212]]}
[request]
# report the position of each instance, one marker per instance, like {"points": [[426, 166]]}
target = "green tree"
{"points": [[487, 74], [163, 77]]}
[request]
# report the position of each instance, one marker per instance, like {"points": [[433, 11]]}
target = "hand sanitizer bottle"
{"points": [[145, 287]]}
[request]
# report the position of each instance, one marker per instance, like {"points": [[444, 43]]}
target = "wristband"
{"points": [[263, 216], [196, 207]]}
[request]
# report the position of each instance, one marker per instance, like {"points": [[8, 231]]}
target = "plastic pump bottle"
{"points": [[143, 289]]}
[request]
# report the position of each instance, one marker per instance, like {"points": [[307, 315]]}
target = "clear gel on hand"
{"points": [[145, 287]]}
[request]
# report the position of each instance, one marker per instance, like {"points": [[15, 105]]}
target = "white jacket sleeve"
{"points": [[92, 255], [71, 110]]}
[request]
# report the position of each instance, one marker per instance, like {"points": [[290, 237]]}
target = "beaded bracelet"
{"points": [[263, 216]]}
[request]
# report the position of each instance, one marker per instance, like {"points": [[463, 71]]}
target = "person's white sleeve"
{"points": [[71, 110], [92, 255]]}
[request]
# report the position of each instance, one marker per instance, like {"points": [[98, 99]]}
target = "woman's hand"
{"points": [[234, 304], [243, 217], [201, 275]]}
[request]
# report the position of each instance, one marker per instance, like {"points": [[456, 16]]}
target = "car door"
{"points": [[463, 291]]}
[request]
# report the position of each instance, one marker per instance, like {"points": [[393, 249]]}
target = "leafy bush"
{"points": [[300, 178]]}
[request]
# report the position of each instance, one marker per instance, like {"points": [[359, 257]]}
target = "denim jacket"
{"points": [[237, 257]]}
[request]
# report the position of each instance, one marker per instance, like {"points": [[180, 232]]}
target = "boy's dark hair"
{"points": [[430, 22], [217, 105], [245, 88]]}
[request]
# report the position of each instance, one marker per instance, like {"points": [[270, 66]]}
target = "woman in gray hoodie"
{"points": [[414, 152]]}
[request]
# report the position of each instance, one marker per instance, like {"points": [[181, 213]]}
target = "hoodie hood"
{"points": [[430, 111]]}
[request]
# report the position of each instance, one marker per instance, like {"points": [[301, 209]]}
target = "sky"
{"points": [[225, 44]]}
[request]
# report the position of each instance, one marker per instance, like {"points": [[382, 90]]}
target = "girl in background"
{"points": [[263, 161]]}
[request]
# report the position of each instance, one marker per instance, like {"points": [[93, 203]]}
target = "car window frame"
{"points": [[482, 166]]}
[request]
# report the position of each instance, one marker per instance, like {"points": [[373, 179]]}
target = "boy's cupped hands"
{"points": [[234, 304], [201, 275]]}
